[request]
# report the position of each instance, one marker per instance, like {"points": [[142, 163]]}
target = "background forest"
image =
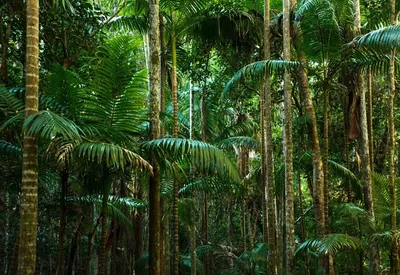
{"points": [[199, 137]]}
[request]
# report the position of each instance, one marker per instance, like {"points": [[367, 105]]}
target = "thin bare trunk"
{"points": [[289, 197], [370, 125], [29, 195], [154, 188], [61, 236], [269, 217], [392, 145]]}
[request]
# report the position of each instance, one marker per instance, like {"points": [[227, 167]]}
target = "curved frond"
{"points": [[258, 70], [205, 157], [8, 149], [48, 125], [115, 206], [383, 38], [112, 155], [239, 141], [332, 244]]}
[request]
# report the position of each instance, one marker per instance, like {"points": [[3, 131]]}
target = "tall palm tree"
{"points": [[154, 198], [392, 147], [267, 156], [365, 146], [29, 199], [287, 144]]}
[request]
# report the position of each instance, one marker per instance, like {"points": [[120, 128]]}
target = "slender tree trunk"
{"points": [[175, 135], [5, 40], [205, 138], [193, 256], [104, 229], [303, 231], [154, 188], [244, 235], [365, 149], [392, 145], [370, 125], [61, 235], [289, 201], [29, 196], [269, 185]]}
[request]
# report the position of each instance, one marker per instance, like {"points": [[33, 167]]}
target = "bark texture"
{"points": [[29, 195], [154, 188], [392, 145], [268, 178], [288, 148]]}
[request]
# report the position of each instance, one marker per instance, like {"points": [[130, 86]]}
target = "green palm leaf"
{"points": [[258, 70], [111, 155], [332, 244], [48, 125], [383, 38], [205, 157], [115, 206], [8, 149]]}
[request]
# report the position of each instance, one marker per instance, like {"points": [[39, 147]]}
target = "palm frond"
{"points": [[238, 141], [8, 149], [111, 155], [10, 105], [116, 97], [383, 38], [210, 185], [320, 30], [205, 157], [115, 206], [258, 69], [332, 244], [48, 125]]}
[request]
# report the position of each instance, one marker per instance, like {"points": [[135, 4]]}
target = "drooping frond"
{"points": [[8, 149], [10, 105], [115, 206], [111, 155], [366, 59], [246, 128], [384, 38], [332, 244], [380, 188], [238, 141], [210, 185], [48, 125], [205, 157], [257, 70]]}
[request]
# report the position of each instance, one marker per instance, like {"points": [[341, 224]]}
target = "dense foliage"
{"points": [[272, 145]]}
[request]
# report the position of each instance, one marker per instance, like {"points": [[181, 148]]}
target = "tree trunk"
{"points": [[193, 256], [29, 196], [61, 235], [392, 145], [370, 125], [269, 217], [175, 202], [289, 202], [5, 40], [154, 183], [104, 229]]}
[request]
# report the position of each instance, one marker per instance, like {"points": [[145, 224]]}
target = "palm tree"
{"points": [[392, 147], [287, 144], [154, 199], [29, 201], [267, 156]]}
